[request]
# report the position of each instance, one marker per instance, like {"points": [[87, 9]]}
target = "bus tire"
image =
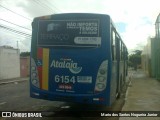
{"points": [[118, 95], [120, 89]]}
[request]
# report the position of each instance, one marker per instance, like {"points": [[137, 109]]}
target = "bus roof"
{"points": [[71, 15]]}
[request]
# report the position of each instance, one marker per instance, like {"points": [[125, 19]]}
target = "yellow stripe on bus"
{"points": [[45, 69]]}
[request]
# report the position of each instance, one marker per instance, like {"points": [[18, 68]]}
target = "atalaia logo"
{"points": [[69, 64]]}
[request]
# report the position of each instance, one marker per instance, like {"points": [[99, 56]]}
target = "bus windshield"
{"points": [[72, 33]]}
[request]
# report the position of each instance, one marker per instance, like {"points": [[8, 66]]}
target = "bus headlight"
{"points": [[101, 80], [34, 81], [34, 74], [102, 71], [100, 86], [33, 68]]}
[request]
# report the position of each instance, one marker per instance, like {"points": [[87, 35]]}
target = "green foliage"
{"points": [[25, 54], [135, 59]]}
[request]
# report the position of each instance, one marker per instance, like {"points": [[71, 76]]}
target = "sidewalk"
{"points": [[6, 81], [143, 94]]}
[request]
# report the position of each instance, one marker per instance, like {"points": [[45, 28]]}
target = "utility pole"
{"points": [[17, 45], [18, 51]]}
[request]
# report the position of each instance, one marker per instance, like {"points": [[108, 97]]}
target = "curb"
{"points": [[1, 83]]}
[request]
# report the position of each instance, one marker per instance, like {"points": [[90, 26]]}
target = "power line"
{"points": [[15, 31], [53, 5], [15, 12], [15, 24], [11, 34], [43, 6]]}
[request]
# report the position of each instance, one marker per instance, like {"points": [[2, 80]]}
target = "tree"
{"points": [[24, 54], [135, 59]]}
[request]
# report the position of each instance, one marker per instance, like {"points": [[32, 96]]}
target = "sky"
{"points": [[133, 19]]}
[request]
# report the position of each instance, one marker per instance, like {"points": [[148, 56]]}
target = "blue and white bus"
{"points": [[77, 57]]}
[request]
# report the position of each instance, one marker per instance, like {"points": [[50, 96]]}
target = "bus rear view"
{"points": [[71, 58]]}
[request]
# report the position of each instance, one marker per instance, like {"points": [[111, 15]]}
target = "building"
{"points": [[157, 48], [25, 66], [157, 26], [146, 58], [9, 62], [151, 53]]}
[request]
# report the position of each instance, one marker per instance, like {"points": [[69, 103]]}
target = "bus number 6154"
{"points": [[64, 79]]}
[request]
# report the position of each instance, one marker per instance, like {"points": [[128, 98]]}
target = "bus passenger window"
{"points": [[113, 45], [122, 52], [120, 47]]}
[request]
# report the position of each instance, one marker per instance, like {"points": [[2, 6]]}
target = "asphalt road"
{"points": [[15, 97]]}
